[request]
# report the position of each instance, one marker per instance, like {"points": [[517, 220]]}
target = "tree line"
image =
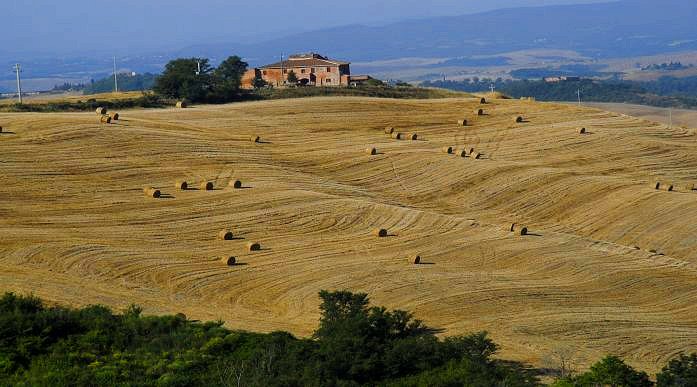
{"points": [[355, 344]]}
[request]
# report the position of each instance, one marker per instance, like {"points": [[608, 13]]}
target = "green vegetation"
{"points": [[355, 344], [665, 92], [406, 92], [291, 78], [146, 100], [127, 82]]}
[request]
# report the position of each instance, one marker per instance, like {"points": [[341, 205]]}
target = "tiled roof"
{"points": [[305, 62]]}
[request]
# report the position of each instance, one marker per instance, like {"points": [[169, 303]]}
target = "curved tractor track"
{"points": [[610, 265]]}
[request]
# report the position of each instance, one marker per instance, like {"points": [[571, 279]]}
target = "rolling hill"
{"points": [[609, 265]]}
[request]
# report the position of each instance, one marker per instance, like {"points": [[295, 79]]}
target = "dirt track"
{"points": [[75, 227]]}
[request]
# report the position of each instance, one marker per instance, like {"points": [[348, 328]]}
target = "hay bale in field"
{"points": [[462, 153], [688, 186], [380, 232], [105, 119], [482, 101], [670, 188], [254, 138], [225, 235], [657, 185], [207, 186], [371, 151], [448, 149], [253, 246], [582, 131], [181, 185], [518, 229], [389, 130], [0, 129], [236, 184], [414, 136], [115, 116], [152, 192], [416, 260], [182, 105], [476, 155], [101, 111], [480, 112], [462, 122], [518, 119], [228, 260], [397, 136]]}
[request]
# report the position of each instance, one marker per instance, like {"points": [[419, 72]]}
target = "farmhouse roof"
{"points": [[305, 60]]}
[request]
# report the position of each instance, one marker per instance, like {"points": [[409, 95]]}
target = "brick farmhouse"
{"points": [[310, 69]]}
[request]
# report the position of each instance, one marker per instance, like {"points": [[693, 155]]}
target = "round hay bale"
{"points": [[462, 152], [518, 229], [101, 111], [657, 185], [688, 187], [254, 139], [518, 119], [670, 188], [181, 185], [380, 232], [448, 149], [414, 137], [482, 101], [105, 119], [0, 129], [152, 192], [253, 246], [182, 105], [397, 136], [207, 186], [416, 260], [476, 155], [236, 184], [480, 112], [371, 151], [524, 231], [225, 235], [462, 122], [115, 116], [582, 131], [512, 228], [471, 150], [389, 130], [228, 260]]}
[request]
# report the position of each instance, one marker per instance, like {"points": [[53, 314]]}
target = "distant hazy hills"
{"points": [[617, 29]]}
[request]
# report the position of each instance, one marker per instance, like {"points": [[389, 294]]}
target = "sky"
{"points": [[143, 26]]}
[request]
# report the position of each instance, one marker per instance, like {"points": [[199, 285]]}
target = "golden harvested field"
{"points": [[76, 228]]}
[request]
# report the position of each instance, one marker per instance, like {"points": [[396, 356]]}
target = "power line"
{"points": [[18, 69]]}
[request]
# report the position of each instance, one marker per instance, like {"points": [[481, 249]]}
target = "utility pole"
{"points": [[18, 69], [116, 82], [283, 81], [670, 117], [198, 67], [578, 92], [492, 88]]}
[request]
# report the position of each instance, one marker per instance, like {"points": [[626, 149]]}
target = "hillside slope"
{"points": [[77, 229]]}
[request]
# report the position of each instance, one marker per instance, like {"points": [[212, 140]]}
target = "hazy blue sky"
{"points": [[73, 26]]}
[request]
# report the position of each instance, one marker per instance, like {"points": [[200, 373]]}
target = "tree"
{"points": [[292, 78], [181, 81], [258, 82], [680, 372], [228, 77], [610, 371]]}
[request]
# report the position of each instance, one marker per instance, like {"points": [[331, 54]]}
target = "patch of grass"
{"points": [[146, 100], [401, 92]]}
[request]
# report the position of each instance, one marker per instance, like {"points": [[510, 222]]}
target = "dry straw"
{"points": [[416, 260], [448, 149], [482, 101], [206, 186], [476, 155], [152, 192], [371, 151], [225, 235], [380, 232], [101, 111], [389, 130], [182, 104], [237, 184], [0, 129], [115, 116], [414, 136], [462, 153], [657, 185], [518, 229], [228, 260], [480, 112], [253, 246], [181, 185], [518, 119], [462, 122], [105, 119], [397, 135], [582, 131]]}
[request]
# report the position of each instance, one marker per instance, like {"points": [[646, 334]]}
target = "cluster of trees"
{"points": [[664, 92], [67, 86], [355, 344], [666, 67], [195, 80], [127, 82]]}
